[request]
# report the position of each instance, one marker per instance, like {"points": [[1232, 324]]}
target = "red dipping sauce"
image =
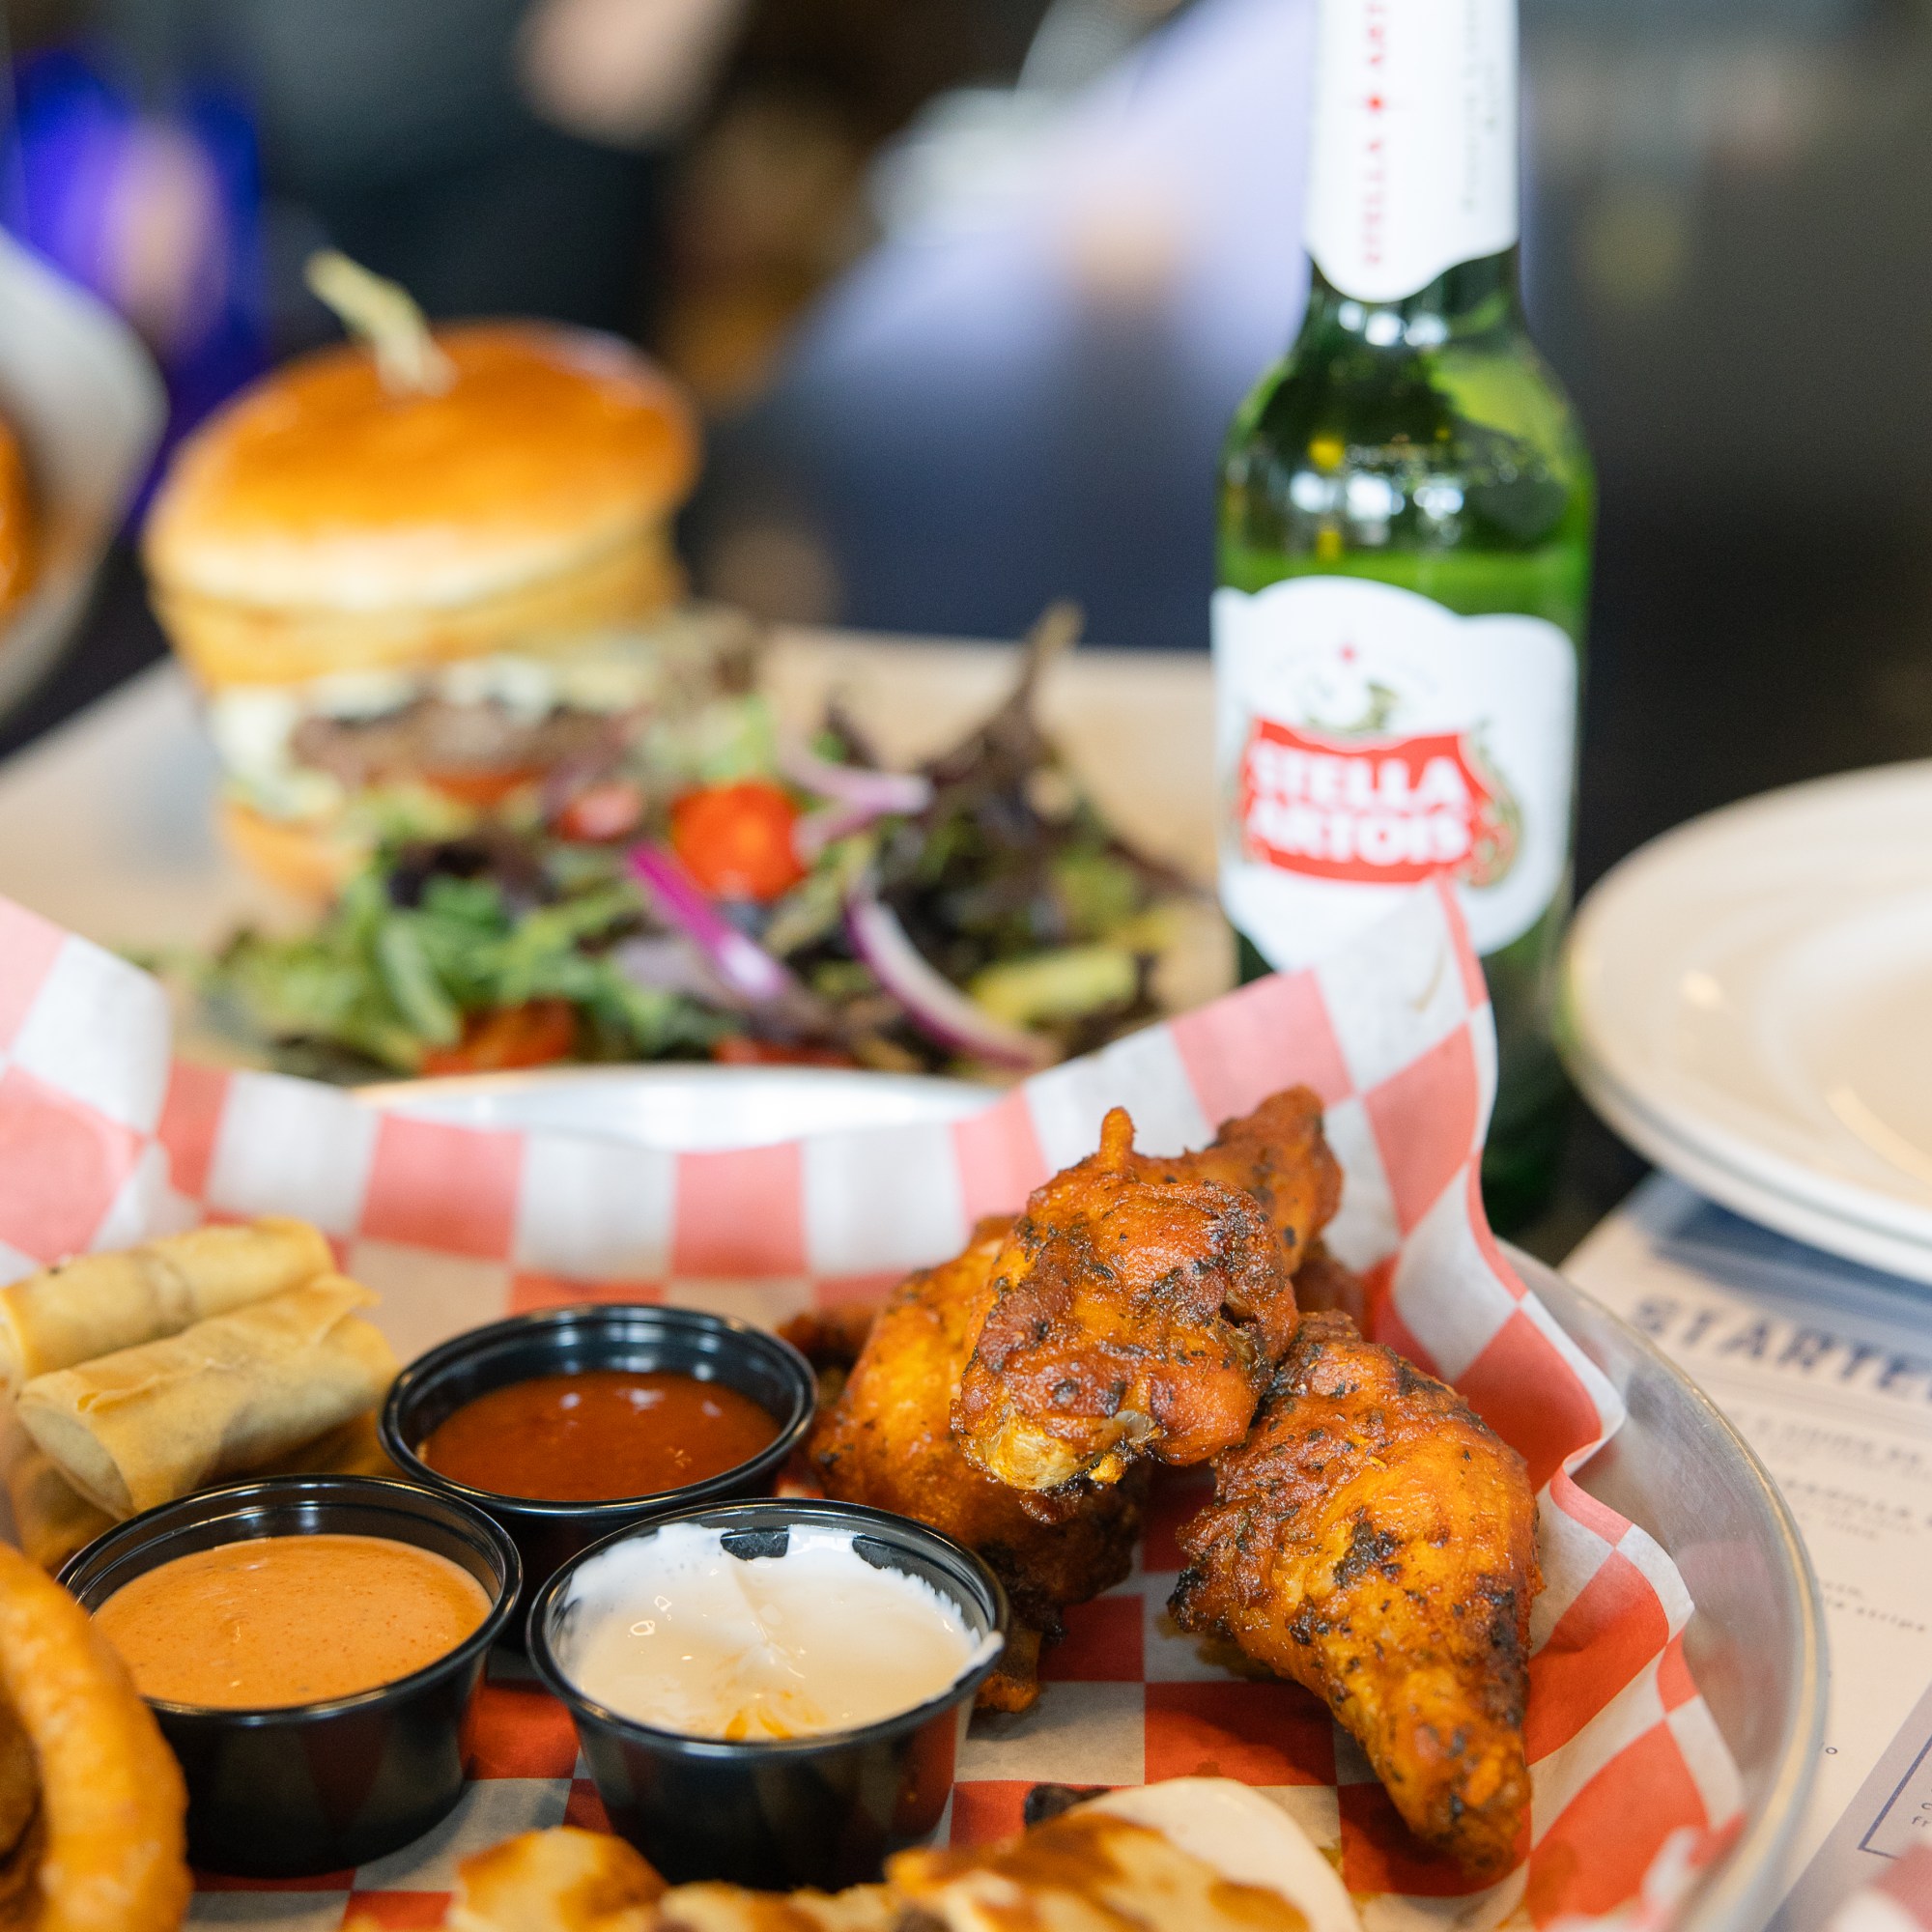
{"points": [[598, 1435]]}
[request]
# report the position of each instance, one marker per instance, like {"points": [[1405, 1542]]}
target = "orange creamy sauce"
{"points": [[281, 1620]]}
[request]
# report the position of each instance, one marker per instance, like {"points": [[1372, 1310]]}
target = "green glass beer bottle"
{"points": [[1406, 519]]}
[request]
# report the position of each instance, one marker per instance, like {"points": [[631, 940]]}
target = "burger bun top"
{"points": [[319, 491]]}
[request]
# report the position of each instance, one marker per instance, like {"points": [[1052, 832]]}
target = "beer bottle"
{"points": [[1405, 531]]}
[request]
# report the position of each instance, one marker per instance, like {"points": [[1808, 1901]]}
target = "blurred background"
{"points": [[969, 288]]}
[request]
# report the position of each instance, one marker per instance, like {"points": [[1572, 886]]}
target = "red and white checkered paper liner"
{"points": [[102, 1139]]}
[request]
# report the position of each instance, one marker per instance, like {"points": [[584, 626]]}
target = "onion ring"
{"points": [[20, 1784], [106, 1844]]}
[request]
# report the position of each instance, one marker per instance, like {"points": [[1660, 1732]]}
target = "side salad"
{"points": [[790, 901]]}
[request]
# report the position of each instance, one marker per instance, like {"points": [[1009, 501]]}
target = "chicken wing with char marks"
{"points": [[1140, 1304], [887, 1440], [1279, 1155], [1375, 1542]]}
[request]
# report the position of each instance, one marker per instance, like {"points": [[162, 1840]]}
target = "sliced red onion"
{"points": [[671, 963], [743, 964], [934, 1004], [854, 784], [816, 830]]}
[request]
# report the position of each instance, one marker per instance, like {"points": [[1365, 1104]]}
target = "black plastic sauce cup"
{"points": [[822, 1811], [640, 1337], [302, 1789]]}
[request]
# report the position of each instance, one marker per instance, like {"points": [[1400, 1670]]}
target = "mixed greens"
{"points": [[805, 904]]}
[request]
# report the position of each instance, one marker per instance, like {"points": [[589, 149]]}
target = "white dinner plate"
{"points": [[1754, 1642], [1748, 1001]]}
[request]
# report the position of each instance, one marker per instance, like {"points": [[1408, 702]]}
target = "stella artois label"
{"points": [[1369, 739]]}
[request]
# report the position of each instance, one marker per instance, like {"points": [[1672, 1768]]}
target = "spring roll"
{"points": [[147, 1425], [52, 1520], [354, 1449], [96, 1304]]}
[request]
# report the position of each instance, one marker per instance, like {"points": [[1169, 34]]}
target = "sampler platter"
{"points": [[1677, 1469]]}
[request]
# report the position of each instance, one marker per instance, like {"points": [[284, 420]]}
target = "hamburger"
{"points": [[409, 606]]}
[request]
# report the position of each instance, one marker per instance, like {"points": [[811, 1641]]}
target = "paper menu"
{"points": [[1826, 1369]]}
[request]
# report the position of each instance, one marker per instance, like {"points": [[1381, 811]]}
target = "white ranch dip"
{"points": [[673, 1631]]}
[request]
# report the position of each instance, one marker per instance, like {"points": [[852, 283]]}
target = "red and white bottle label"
{"points": [[1369, 739], [1412, 159]]}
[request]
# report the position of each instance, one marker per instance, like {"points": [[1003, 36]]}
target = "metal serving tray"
{"points": [[1678, 1468]]}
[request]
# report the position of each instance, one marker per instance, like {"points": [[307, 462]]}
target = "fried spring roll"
{"points": [[53, 1521], [220, 1399], [97, 1304], [354, 1449]]}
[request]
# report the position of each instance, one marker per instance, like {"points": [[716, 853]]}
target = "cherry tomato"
{"points": [[532, 1035], [735, 839], [614, 809]]}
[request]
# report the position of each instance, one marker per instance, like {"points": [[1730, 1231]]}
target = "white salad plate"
{"points": [[1748, 1001], [1755, 1641]]}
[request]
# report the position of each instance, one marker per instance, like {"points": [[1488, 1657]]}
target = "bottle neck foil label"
{"points": [[1367, 739], [1414, 163]]}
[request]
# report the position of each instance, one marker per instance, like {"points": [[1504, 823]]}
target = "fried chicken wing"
{"points": [[1136, 1309], [1322, 1285], [1277, 1154], [1375, 1542], [887, 1440], [832, 1340]]}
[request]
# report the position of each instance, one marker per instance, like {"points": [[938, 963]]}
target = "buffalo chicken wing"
{"points": [[1280, 1156], [1375, 1542], [886, 1441], [1137, 1307]]}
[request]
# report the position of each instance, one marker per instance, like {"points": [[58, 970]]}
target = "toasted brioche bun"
{"points": [[320, 523], [311, 859], [225, 644]]}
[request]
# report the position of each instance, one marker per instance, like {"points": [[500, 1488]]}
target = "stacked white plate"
{"points": [[1747, 1000]]}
